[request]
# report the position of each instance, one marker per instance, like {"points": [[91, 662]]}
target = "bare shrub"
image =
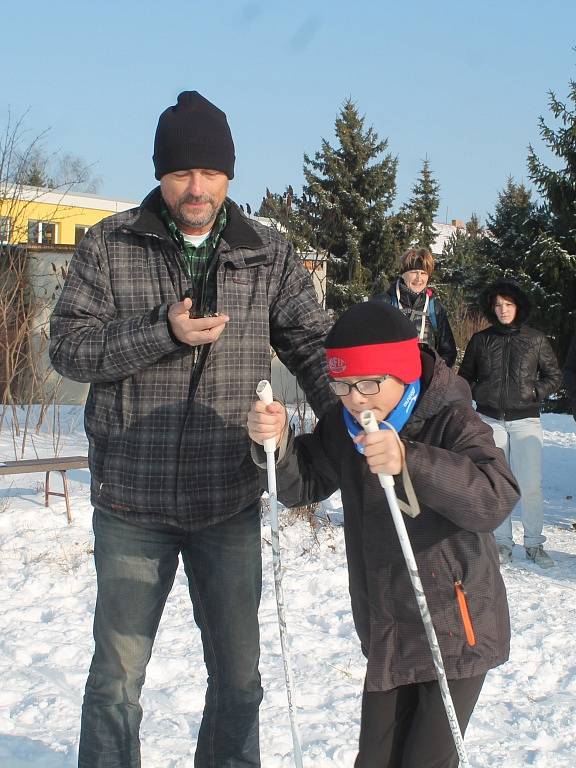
{"points": [[28, 385], [464, 320]]}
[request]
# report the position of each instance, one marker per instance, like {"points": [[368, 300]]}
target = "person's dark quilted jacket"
{"points": [[512, 368]]}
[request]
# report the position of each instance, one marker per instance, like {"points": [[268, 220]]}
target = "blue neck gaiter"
{"points": [[396, 418]]}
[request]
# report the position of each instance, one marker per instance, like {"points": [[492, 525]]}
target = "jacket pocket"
{"points": [[465, 613]]}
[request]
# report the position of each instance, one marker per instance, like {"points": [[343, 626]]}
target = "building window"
{"points": [[41, 232], [5, 229], [79, 232]]}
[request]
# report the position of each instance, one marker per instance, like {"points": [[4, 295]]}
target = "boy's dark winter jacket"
{"points": [[440, 338], [465, 490], [512, 368], [166, 422]]}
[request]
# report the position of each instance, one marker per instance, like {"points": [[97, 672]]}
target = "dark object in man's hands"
{"points": [[195, 315]]}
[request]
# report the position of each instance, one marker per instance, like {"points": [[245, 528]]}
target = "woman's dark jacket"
{"points": [[465, 490], [440, 338], [512, 368]]}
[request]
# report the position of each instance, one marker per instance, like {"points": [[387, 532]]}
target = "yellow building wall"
{"points": [[65, 216]]}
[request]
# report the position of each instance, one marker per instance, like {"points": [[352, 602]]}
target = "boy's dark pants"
{"points": [[135, 567], [407, 727]]}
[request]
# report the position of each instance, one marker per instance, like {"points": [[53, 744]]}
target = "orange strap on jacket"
{"points": [[465, 613]]}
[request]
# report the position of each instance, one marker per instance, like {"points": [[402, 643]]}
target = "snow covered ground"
{"points": [[526, 714]]}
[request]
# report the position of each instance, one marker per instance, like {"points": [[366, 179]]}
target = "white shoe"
{"points": [[505, 554], [538, 556]]}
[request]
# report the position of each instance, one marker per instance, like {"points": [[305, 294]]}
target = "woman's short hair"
{"points": [[417, 258], [504, 296]]}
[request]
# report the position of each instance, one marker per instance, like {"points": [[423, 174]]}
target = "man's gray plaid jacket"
{"points": [[166, 422]]}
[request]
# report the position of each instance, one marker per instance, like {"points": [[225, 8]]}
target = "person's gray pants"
{"points": [[522, 440]]}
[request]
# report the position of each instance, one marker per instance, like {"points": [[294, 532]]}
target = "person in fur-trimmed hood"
{"points": [[464, 488], [511, 369]]}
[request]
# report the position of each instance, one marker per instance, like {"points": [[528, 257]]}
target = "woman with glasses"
{"points": [[464, 489], [512, 369], [412, 295]]}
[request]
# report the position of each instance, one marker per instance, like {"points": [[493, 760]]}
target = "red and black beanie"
{"points": [[373, 338]]}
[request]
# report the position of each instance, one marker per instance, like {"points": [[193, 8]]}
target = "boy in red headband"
{"points": [[464, 488]]}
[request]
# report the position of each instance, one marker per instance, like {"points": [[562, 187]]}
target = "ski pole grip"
{"points": [[369, 424], [264, 392], [368, 421]]}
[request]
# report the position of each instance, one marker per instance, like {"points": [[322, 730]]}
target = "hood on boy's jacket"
{"points": [[373, 338], [505, 286]]}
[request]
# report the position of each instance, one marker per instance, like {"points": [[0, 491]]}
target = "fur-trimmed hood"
{"points": [[505, 286]]}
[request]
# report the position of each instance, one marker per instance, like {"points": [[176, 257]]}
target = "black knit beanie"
{"points": [[373, 338], [193, 134]]}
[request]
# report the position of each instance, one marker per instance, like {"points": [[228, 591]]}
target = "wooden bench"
{"points": [[53, 464]]}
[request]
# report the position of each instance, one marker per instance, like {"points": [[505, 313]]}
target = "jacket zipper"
{"points": [[465, 613], [505, 382], [198, 355]]}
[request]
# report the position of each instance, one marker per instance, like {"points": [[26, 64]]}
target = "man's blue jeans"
{"points": [[135, 566]]}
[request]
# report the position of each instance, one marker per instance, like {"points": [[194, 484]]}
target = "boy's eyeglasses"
{"points": [[364, 386]]}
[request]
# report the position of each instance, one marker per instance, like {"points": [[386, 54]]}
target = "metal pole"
{"points": [[264, 392], [369, 424]]}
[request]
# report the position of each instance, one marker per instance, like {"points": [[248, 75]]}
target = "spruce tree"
{"points": [[348, 192], [422, 207], [558, 187], [282, 210], [513, 228], [553, 254], [551, 284], [463, 269], [512, 231]]}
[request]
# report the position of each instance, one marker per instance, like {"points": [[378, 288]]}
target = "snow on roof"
{"points": [[62, 197], [444, 233]]}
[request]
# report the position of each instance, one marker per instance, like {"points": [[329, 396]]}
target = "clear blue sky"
{"points": [[461, 83]]}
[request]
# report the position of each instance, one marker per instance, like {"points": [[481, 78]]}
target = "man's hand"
{"points": [[266, 421], [383, 452], [194, 331]]}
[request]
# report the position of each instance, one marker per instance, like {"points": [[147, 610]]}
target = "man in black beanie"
{"points": [[169, 311]]}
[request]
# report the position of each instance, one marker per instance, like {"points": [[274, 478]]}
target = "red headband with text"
{"points": [[397, 358]]}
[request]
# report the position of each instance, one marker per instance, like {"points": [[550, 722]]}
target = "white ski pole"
{"points": [[369, 424], [264, 392]]}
